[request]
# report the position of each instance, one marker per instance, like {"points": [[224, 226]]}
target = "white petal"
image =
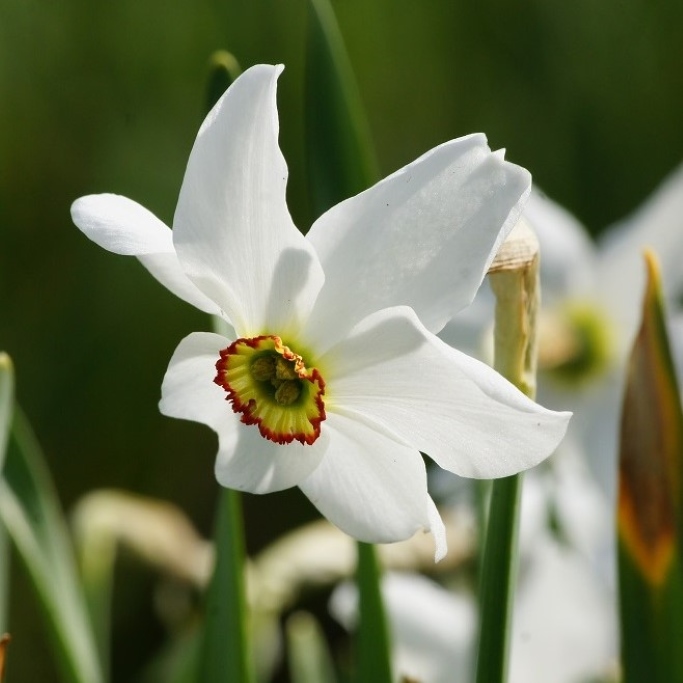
{"points": [[123, 226], [471, 330], [657, 225], [371, 487], [245, 461], [564, 626], [167, 270], [393, 373], [188, 391], [232, 229], [120, 225], [423, 237], [257, 465], [568, 255], [432, 628]]}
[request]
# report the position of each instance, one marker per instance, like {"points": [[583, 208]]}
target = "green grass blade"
{"points": [[224, 652], [6, 408], [223, 70], [30, 511], [339, 152], [373, 663], [6, 402], [650, 513]]}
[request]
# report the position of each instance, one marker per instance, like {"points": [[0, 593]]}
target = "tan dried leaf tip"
{"points": [[518, 251]]}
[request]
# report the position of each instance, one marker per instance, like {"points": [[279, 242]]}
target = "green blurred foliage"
{"points": [[108, 96]]}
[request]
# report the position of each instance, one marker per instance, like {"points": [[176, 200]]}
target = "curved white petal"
{"points": [[188, 391], [245, 460], [254, 464], [423, 237], [370, 486], [393, 373], [568, 255], [232, 229], [656, 224], [122, 226], [167, 269], [564, 627], [471, 330], [432, 629]]}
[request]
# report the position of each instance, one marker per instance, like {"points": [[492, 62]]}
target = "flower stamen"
{"points": [[272, 388]]}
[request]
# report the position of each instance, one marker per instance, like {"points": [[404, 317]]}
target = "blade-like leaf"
{"points": [[6, 402], [224, 654], [6, 408], [30, 511], [340, 156], [223, 70], [649, 508]]}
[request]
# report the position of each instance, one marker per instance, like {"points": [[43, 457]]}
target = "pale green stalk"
{"points": [[514, 281], [309, 657]]}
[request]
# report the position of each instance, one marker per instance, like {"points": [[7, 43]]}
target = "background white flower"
{"points": [[594, 289], [357, 302]]}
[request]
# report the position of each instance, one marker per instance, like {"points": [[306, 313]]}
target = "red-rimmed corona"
{"points": [[273, 389]]}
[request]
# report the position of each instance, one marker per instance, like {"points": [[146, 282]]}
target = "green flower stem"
{"points": [[514, 281], [309, 659], [225, 655], [373, 662]]}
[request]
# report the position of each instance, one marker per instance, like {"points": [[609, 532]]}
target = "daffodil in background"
{"points": [[331, 376], [591, 296]]}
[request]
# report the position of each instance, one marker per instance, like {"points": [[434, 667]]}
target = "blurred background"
{"points": [[108, 96]]}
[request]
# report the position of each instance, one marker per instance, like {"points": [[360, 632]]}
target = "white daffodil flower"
{"points": [[332, 377]]}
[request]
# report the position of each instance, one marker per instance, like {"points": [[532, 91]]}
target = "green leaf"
{"points": [[339, 152], [30, 511], [223, 70], [309, 658], [6, 402], [372, 639], [650, 514], [224, 652], [6, 408]]}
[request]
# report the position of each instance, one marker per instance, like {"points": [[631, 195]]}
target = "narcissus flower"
{"points": [[331, 377]]}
